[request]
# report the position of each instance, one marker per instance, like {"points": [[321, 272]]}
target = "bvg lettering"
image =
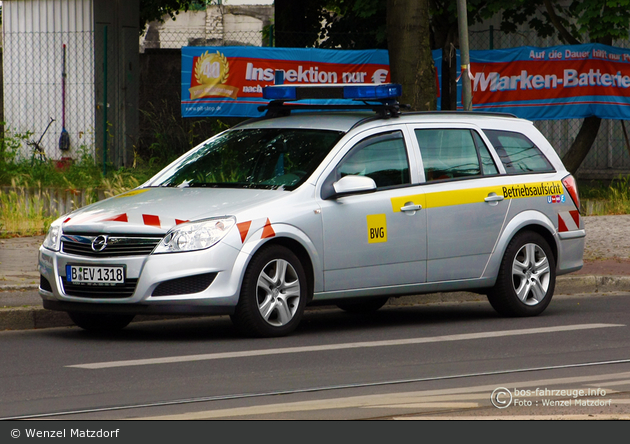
{"points": [[377, 233]]}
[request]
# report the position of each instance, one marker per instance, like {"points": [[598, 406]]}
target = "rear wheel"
{"points": [[527, 277], [363, 306], [100, 321], [273, 294]]}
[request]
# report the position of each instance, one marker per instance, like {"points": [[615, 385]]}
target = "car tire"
{"points": [[273, 294], [363, 306], [100, 322], [527, 277]]}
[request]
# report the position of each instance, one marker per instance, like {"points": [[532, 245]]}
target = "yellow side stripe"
{"points": [[476, 195], [132, 193]]}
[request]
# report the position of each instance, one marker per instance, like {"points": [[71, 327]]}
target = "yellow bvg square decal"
{"points": [[376, 228]]}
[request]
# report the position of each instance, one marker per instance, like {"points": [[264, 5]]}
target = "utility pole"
{"points": [[462, 23]]}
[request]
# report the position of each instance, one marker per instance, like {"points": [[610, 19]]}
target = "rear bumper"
{"points": [[570, 251]]}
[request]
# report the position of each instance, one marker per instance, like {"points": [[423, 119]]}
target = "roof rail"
{"points": [[471, 113]]}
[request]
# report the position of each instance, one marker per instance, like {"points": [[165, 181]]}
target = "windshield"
{"points": [[252, 158]]}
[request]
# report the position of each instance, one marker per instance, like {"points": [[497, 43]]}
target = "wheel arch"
{"points": [[302, 254], [525, 289], [525, 221], [289, 236], [544, 232]]}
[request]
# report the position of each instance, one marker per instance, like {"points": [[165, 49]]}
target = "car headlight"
{"points": [[193, 236], [52, 241]]}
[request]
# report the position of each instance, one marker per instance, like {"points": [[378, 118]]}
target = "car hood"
{"points": [[156, 210]]}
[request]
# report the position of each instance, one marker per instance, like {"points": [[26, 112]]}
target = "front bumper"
{"points": [[153, 281]]}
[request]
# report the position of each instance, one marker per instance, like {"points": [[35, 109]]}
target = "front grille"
{"points": [[185, 285], [100, 290], [115, 246]]}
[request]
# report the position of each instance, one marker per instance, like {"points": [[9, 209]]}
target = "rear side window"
{"points": [[518, 154], [448, 153]]}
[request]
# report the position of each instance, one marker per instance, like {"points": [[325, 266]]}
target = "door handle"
{"points": [[492, 197], [410, 207]]}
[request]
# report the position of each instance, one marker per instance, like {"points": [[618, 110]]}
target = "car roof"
{"points": [[338, 121], [345, 121]]}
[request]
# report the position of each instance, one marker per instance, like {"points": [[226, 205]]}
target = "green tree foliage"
{"points": [[356, 24], [362, 24], [347, 24], [575, 22]]}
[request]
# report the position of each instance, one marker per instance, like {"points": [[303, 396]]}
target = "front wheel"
{"points": [[100, 322], [273, 294], [527, 277]]}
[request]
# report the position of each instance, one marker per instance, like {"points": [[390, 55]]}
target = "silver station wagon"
{"points": [[347, 207]]}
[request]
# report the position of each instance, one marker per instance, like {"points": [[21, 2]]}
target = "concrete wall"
{"points": [[217, 25]]}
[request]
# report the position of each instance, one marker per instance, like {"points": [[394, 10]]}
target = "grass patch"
{"points": [[605, 198], [25, 203], [23, 214], [26, 209]]}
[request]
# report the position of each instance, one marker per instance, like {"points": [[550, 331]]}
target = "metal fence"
{"points": [[33, 88], [105, 96], [156, 38]]}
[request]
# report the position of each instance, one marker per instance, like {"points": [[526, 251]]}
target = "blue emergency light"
{"points": [[364, 91]]}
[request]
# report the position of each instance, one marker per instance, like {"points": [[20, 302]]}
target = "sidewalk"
{"points": [[606, 269], [18, 262]]}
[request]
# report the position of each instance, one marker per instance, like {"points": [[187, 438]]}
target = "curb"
{"points": [[29, 318], [591, 284], [35, 317]]}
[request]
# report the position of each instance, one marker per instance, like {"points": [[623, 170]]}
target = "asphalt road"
{"points": [[415, 362]]}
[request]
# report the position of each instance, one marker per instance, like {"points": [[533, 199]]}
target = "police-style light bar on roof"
{"points": [[361, 91], [378, 97]]}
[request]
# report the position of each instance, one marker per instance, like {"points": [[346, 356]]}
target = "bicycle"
{"points": [[39, 152]]}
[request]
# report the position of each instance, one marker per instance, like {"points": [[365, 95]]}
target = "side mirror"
{"points": [[354, 184]]}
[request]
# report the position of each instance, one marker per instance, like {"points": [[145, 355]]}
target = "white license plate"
{"points": [[82, 274]]}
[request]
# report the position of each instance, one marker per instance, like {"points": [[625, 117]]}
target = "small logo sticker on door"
{"points": [[376, 228]]}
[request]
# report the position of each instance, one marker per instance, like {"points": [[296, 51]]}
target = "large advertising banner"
{"points": [[228, 80], [561, 82]]}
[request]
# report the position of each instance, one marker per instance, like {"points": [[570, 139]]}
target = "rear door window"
{"points": [[450, 154]]}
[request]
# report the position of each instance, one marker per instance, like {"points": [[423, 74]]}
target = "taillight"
{"points": [[571, 185]]}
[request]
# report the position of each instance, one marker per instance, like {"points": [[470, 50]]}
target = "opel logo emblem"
{"points": [[99, 243]]}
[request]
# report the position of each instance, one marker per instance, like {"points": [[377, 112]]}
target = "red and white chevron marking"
{"points": [[136, 219], [246, 229], [568, 221]]}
